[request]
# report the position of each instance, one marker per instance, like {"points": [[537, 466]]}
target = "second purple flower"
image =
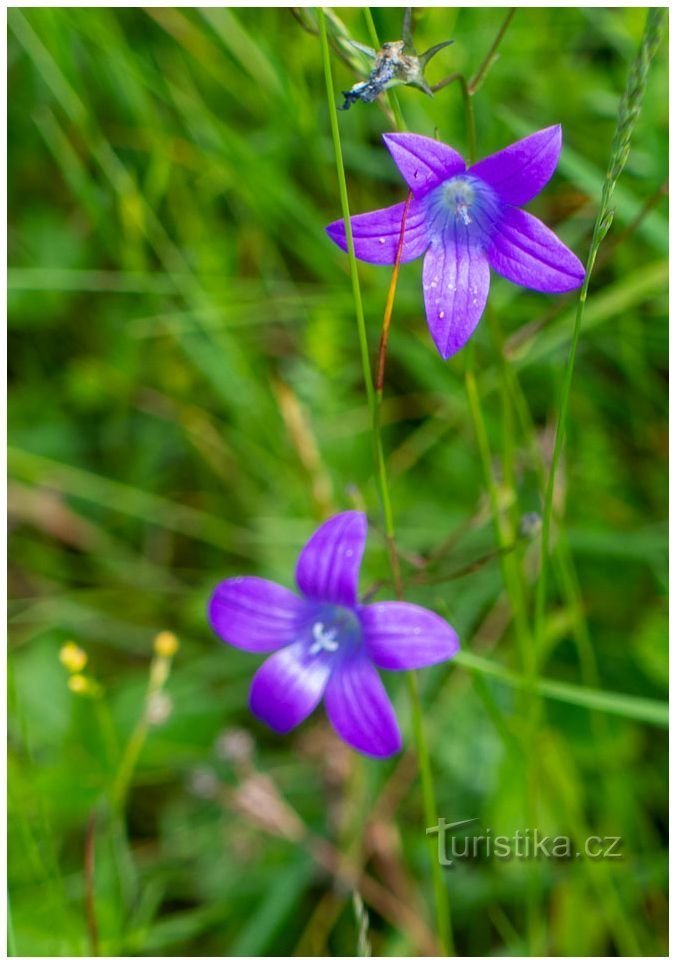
{"points": [[325, 643], [466, 221]]}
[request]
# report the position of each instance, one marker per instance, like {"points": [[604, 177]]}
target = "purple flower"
{"points": [[466, 221], [326, 643]]}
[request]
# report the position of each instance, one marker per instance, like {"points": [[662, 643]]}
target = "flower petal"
{"points": [[359, 708], [255, 614], [376, 234], [288, 686], [520, 171], [328, 567], [401, 635], [423, 162], [525, 251], [456, 279]]}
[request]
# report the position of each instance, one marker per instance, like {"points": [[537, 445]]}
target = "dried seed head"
{"points": [[235, 746], [158, 709], [395, 63], [203, 783]]}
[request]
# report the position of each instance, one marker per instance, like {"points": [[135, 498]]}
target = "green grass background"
{"points": [[187, 404]]}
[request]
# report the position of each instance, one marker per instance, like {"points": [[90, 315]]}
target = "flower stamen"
{"points": [[324, 640], [458, 195]]}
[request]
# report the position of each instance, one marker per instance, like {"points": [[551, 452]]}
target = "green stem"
{"points": [[345, 207], [487, 62], [511, 572], [11, 937], [157, 677], [513, 583], [469, 119], [625, 705], [125, 770], [629, 111], [441, 902], [107, 727], [374, 400]]}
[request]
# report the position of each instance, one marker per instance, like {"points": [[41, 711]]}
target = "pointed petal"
{"points": [[520, 171], [423, 162], [525, 251], [359, 708], [288, 686], [376, 234], [455, 285], [328, 566], [254, 614], [404, 636]]}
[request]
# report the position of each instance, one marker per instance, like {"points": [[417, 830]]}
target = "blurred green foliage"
{"points": [[186, 403]]}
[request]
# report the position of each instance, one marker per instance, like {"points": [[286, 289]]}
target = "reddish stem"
{"points": [[387, 317]]}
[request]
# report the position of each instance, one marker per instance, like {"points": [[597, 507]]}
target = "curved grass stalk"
{"points": [[630, 107]]}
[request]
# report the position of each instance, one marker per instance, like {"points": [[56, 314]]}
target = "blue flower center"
{"points": [[459, 195], [333, 628], [463, 200]]}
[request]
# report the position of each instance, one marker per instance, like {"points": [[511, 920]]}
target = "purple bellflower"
{"points": [[466, 221], [325, 643]]}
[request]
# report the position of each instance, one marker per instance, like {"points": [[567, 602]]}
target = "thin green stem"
{"points": [[598, 703], [157, 677], [345, 208], [125, 770], [442, 910], [510, 577], [441, 902], [469, 119], [107, 727], [381, 469], [629, 110], [11, 937], [488, 60], [510, 565], [625, 705]]}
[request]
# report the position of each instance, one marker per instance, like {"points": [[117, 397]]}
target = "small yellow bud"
{"points": [[78, 683], [84, 685], [72, 657], [165, 644]]}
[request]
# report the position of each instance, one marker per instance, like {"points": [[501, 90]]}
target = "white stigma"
{"points": [[324, 640], [458, 195]]}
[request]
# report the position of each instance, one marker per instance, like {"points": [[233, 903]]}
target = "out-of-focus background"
{"points": [[187, 403]]}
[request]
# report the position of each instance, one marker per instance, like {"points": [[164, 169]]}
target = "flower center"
{"points": [[458, 195], [464, 202], [333, 628]]}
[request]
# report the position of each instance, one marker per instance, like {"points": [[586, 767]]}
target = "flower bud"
{"points": [[83, 685], [166, 644], [72, 657]]}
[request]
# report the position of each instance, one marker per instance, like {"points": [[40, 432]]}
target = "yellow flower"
{"points": [[72, 657], [165, 644], [78, 683]]}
